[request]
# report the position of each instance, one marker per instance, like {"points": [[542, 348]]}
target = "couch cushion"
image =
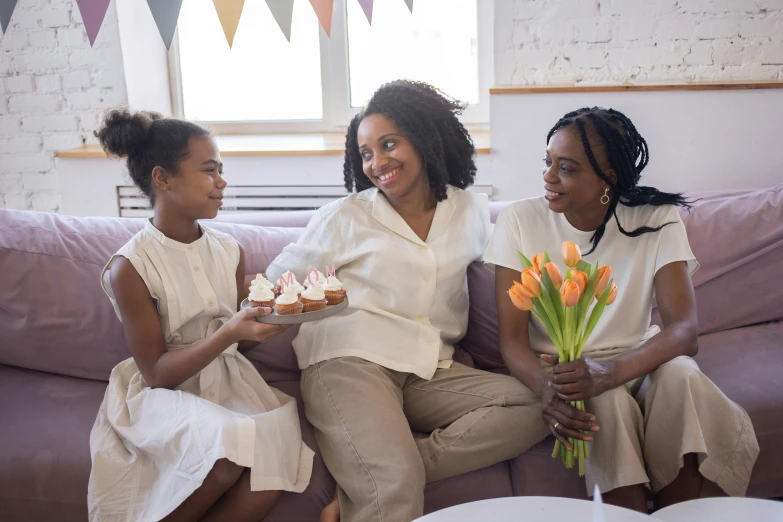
{"points": [[45, 462], [53, 313], [746, 365], [536, 473], [737, 236], [738, 239]]}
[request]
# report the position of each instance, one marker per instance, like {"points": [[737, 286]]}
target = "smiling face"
{"points": [[196, 189], [389, 159], [571, 183]]}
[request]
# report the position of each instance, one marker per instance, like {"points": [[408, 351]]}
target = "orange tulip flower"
{"points": [[569, 293], [580, 278], [530, 282], [571, 254], [519, 298], [538, 262], [612, 295], [602, 279], [554, 274]]}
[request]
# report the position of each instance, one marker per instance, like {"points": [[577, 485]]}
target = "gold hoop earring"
{"points": [[605, 198]]}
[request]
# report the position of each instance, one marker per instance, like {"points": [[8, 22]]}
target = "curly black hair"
{"points": [[429, 119], [628, 154]]}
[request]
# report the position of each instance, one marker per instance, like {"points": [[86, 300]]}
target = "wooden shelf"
{"points": [[704, 86], [323, 144]]}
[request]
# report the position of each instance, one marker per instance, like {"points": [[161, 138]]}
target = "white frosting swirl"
{"points": [[262, 281], [314, 292], [288, 276], [333, 284], [321, 279], [261, 293], [288, 297]]}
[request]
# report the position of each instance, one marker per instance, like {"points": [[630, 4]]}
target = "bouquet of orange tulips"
{"points": [[562, 306]]}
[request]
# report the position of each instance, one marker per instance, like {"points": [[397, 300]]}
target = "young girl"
{"points": [[188, 429], [654, 418], [401, 246]]}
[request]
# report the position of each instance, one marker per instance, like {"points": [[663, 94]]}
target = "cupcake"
{"points": [[285, 279], [288, 302], [321, 279], [335, 294], [261, 280], [313, 298], [261, 295]]}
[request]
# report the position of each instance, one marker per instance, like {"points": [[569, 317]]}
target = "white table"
{"points": [[533, 509], [723, 509]]}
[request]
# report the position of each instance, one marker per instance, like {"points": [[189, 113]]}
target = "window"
{"points": [[316, 83]]}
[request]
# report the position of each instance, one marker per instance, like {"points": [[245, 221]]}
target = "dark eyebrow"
{"points": [[562, 158], [212, 162], [388, 135]]}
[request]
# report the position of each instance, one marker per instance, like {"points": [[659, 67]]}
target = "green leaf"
{"points": [[546, 257], [584, 266], [598, 309], [552, 297], [525, 261], [551, 315], [553, 334]]}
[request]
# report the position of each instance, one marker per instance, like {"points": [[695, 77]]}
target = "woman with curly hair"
{"points": [[401, 243]]}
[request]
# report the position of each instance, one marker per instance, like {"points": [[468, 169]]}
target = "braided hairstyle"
{"points": [[429, 119], [147, 140], [628, 155]]}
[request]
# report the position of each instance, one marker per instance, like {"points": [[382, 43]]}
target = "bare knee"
{"points": [[225, 473]]}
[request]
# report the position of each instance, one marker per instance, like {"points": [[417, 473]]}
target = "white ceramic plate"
{"points": [[304, 317]]}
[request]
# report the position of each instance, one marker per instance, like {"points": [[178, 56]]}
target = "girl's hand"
{"points": [[244, 327], [581, 379]]}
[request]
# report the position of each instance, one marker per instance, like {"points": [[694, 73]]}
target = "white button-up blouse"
{"points": [[408, 298]]}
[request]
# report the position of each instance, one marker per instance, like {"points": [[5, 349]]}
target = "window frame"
{"points": [[335, 84]]}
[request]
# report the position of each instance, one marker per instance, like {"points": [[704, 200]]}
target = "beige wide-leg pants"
{"points": [[363, 415], [649, 424]]}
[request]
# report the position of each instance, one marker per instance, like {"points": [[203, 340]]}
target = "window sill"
{"points": [[314, 144]]}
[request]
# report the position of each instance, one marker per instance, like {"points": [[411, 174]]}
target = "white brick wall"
{"points": [[53, 90], [620, 41]]}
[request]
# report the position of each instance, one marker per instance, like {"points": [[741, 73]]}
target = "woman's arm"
{"points": [[168, 369], [522, 363], [580, 380]]}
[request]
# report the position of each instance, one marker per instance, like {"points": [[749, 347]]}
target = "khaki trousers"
{"points": [[363, 415], [649, 424]]}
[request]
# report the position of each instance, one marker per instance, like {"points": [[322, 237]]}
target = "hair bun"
{"points": [[123, 132]]}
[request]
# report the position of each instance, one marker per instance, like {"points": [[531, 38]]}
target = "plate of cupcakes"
{"points": [[293, 303]]}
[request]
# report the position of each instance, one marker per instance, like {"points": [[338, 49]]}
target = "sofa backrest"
{"points": [[737, 237], [54, 317]]}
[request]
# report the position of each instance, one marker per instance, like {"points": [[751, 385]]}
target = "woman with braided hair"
{"points": [[401, 243], [653, 418]]}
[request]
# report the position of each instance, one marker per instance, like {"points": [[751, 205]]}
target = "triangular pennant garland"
{"points": [[323, 10], [165, 13], [229, 12], [410, 5], [283, 11], [6, 10], [367, 8], [93, 12]]}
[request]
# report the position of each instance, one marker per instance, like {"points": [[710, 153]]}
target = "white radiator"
{"points": [[257, 198]]}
